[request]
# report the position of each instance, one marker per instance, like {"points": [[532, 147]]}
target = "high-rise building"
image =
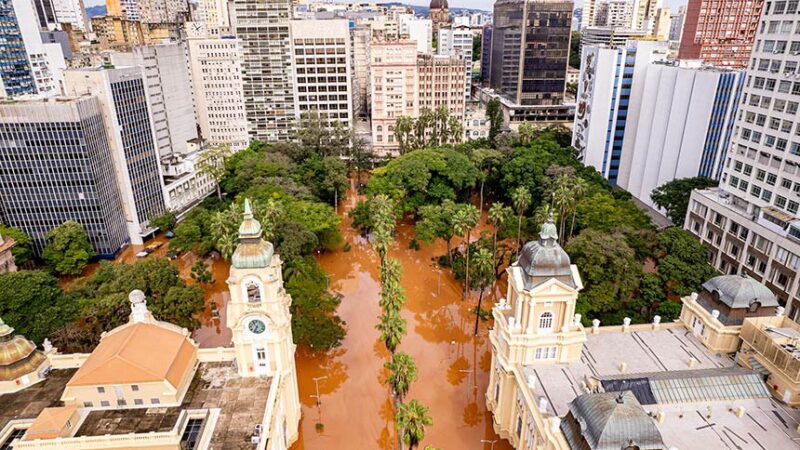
{"points": [[122, 95], [56, 165], [662, 24], [262, 26], [216, 71], [394, 89], [644, 14], [418, 30], [720, 33], [457, 41], [169, 93], [750, 223], [361, 38], [215, 17], [614, 13], [486, 52], [71, 12], [655, 121], [676, 24], [15, 70], [530, 50], [613, 37], [322, 85], [441, 80]]}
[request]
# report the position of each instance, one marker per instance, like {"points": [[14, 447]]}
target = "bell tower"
{"points": [[259, 318]]}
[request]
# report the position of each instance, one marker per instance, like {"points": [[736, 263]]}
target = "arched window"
{"points": [[253, 292], [546, 321]]}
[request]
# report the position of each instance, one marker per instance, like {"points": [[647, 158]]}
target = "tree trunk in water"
{"points": [[478, 312], [494, 251], [449, 254], [480, 210], [466, 272]]}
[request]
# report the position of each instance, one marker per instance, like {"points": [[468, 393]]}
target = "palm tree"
{"points": [[465, 218], [382, 209], [456, 130], [226, 244], [402, 372], [563, 200], [526, 133], [498, 215], [521, 197], [484, 273], [578, 191], [392, 327], [411, 419], [391, 271]]}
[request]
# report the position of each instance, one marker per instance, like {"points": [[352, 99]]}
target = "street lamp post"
{"points": [[485, 441], [316, 385]]}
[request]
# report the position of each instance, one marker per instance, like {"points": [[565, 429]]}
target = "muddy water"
{"points": [[356, 410]]}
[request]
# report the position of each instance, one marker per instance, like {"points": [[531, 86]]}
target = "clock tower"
{"points": [[258, 315]]}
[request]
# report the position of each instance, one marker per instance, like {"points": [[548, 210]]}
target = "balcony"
{"points": [[777, 341]]}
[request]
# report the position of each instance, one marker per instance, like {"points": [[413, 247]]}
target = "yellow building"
{"points": [[557, 386], [148, 386], [771, 346]]}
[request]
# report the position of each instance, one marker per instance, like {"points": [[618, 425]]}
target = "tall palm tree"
{"points": [[226, 243], [392, 327], [484, 273], [465, 218], [521, 197], [562, 200], [402, 372], [382, 209], [578, 191], [498, 215], [411, 419]]}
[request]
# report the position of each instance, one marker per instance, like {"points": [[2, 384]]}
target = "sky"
{"points": [[476, 4]]}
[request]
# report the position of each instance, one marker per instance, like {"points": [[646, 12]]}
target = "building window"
{"points": [[101, 390], [519, 425], [88, 404], [546, 321], [138, 401], [105, 404], [497, 391], [253, 292], [155, 401], [545, 353], [135, 387]]}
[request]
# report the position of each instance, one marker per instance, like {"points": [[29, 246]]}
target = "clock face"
{"points": [[256, 326]]}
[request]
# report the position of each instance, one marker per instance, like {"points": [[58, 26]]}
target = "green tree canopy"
{"points": [[68, 249], [314, 319], [23, 250], [33, 303], [411, 419], [674, 196], [682, 262]]}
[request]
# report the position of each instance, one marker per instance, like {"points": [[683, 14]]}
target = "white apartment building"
{"points": [[676, 24], [476, 124], [169, 93], [662, 24], [441, 82], [643, 121], [71, 12], [750, 223], [394, 89], [418, 30], [615, 13], [457, 41], [46, 59], [262, 26], [322, 70], [613, 37], [216, 71], [215, 17], [637, 15]]}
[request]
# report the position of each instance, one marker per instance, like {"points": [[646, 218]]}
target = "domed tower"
{"points": [[439, 14], [259, 318], [21, 364]]}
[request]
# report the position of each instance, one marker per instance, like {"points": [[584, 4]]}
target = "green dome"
{"points": [[252, 252]]}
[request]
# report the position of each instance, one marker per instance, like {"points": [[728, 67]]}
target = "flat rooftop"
{"points": [[29, 402], [661, 359], [241, 401]]}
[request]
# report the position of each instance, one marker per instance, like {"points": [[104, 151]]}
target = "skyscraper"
{"points": [[122, 96], [750, 223], [457, 41], [56, 165], [394, 89], [263, 29], [486, 52], [530, 50], [721, 33]]}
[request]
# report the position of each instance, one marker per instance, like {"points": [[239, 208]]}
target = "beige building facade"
{"points": [[394, 90]]}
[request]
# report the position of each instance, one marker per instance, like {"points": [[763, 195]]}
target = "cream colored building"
{"points": [[394, 89], [216, 72], [147, 385], [7, 263], [441, 83], [557, 385]]}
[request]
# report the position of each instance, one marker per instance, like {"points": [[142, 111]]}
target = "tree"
{"points": [[436, 222], [392, 292], [608, 266], [669, 310], [404, 134], [476, 47], [682, 262], [483, 262], [382, 209], [673, 196], [521, 197], [494, 112], [487, 161], [410, 420], [464, 220], [361, 157], [68, 249], [402, 372], [200, 272], [34, 304], [314, 319], [499, 214], [164, 222], [23, 249], [575, 50], [526, 133], [392, 327], [212, 163]]}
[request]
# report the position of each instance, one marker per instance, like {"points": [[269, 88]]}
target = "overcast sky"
{"points": [[478, 4]]}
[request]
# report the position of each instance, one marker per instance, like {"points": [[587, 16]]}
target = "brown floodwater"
{"points": [[356, 410]]}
